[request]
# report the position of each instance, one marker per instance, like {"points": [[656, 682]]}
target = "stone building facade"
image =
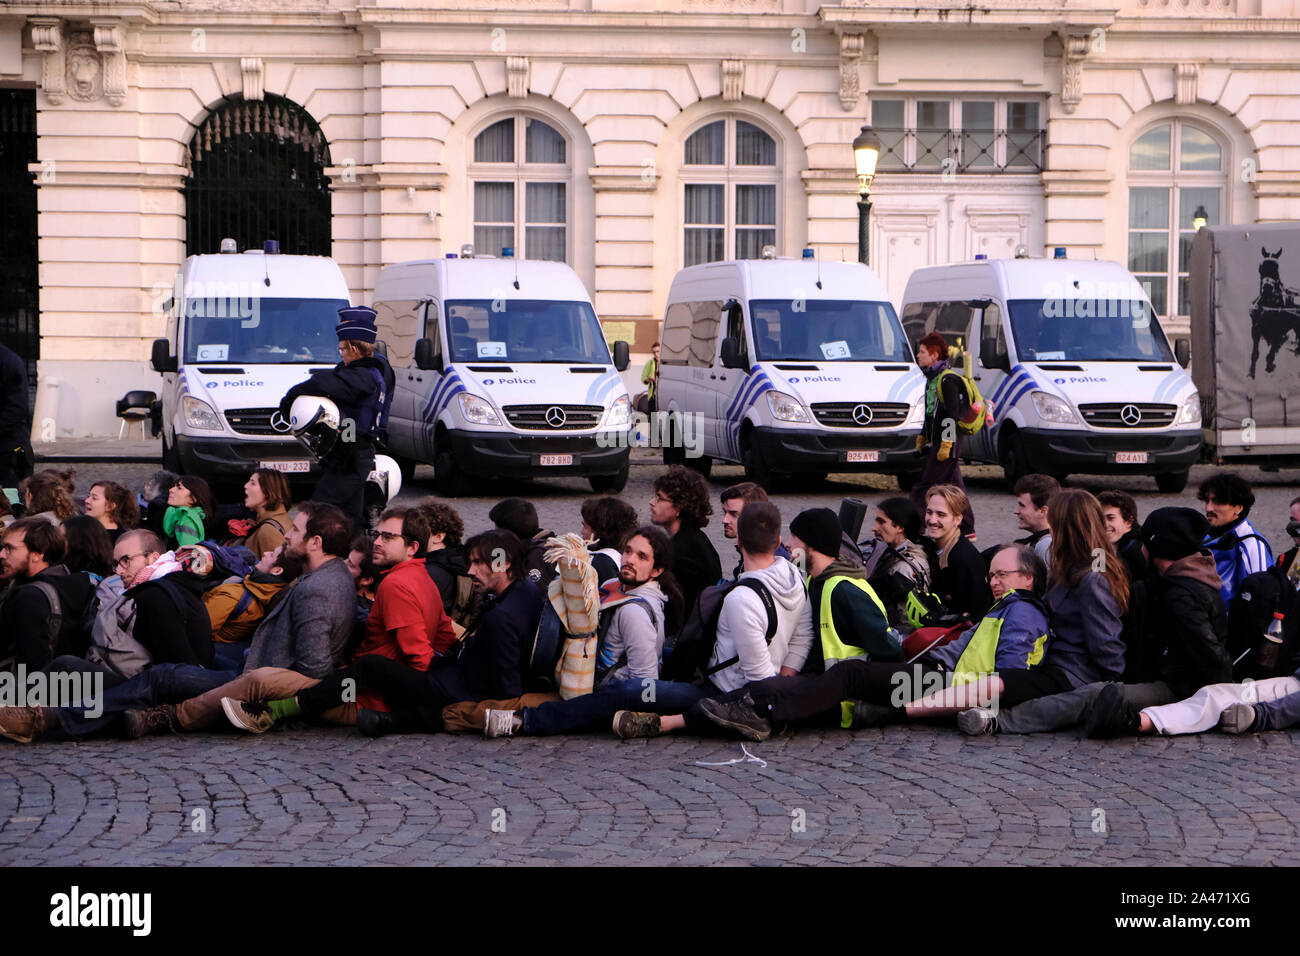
{"points": [[628, 137]]}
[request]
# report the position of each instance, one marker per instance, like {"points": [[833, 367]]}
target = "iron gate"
{"points": [[256, 171], [19, 315]]}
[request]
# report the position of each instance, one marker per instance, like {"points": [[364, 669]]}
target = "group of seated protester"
{"points": [[286, 614]]}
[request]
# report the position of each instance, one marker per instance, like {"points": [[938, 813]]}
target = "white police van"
{"points": [[241, 330], [788, 367], [502, 370], [1080, 374]]}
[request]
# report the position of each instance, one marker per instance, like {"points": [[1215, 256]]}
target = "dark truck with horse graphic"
{"points": [[1245, 321]]}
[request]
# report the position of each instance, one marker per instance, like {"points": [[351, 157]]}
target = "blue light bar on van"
{"points": [[808, 254], [979, 256], [271, 247], [507, 252], [1058, 252], [452, 255]]}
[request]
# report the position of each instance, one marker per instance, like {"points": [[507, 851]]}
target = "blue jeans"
{"points": [[595, 711], [1278, 714], [159, 684]]}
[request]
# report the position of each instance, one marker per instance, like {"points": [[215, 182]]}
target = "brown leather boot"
{"points": [[22, 725], [159, 719]]}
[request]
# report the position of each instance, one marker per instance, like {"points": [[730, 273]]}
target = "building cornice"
{"points": [[1049, 18]]}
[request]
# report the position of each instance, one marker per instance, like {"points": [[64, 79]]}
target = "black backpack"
{"points": [[689, 660], [1259, 596]]}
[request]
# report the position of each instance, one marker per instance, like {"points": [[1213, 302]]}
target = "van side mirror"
{"points": [[731, 354], [622, 358], [424, 357], [1183, 352], [161, 358], [991, 357]]}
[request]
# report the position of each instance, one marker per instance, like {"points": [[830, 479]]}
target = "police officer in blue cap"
{"points": [[361, 385]]}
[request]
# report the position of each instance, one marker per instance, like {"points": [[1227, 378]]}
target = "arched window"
{"points": [[1175, 169], [730, 176], [520, 172]]}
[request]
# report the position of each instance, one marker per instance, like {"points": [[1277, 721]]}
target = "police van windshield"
{"points": [[819, 330], [253, 331], [1087, 330], [524, 330]]}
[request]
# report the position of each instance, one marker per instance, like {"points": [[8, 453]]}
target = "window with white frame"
{"points": [[1176, 170], [731, 175], [521, 174], [969, 133]]}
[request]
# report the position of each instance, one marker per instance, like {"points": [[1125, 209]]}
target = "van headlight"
{"points": [[1052, 409], [1191, 412], [917, 415], [199, 414], [477, 411], [620, 413], [786, 408]]}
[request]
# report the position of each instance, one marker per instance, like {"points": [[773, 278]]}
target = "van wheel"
{"points": [[609, 484], [1172, 482], [1015, 464], [703, 465], [448, 480], [756, 467], [407, 467]]}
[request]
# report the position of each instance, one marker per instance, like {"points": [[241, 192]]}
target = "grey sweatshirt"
{"points": [[636, 635], [743, 623]]}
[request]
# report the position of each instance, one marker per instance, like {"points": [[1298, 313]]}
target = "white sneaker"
{"points": [[977, 722], [501, 723]]}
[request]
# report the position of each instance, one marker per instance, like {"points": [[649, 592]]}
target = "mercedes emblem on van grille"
{"points": [[862, 414], [1130, 415], [555, 416]]}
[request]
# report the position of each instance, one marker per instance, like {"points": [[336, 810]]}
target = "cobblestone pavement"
{"points": [[908, 795], [902, 795]]}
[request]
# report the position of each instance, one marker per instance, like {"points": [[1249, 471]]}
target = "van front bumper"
{"points": [[520, 456], [1061, 452], [802, 451], [220, 457]]}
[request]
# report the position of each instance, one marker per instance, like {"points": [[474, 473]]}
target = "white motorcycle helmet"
{"points": [[315, 422], [386, 477]]}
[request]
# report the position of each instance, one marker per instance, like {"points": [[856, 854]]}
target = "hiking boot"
{"points": [[501, 723], [977, 722], [250, 715], [629, 724], [1112, 715], [377, 723], [22, 725], [739, 716], [874, 715], [1237, 719], [151, 720]]}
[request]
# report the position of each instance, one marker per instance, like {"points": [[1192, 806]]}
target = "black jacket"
{"points": [[696, 564], [491, 665], [538, 571], [25, 613], [963, 585], [1187, 627], [444, 566], [15, 414], [171, 620], [354, 390]]}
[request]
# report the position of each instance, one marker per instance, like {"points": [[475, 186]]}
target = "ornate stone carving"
{"points": [[47, 38], [112, 51], [733, 80], [85, 71], [517, 76], [1186, 78], [253, 71], [1076, 48], [851, 45]]}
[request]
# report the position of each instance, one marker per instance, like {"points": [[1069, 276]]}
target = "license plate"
{"points": [[556, 460], [295, 467], [863, 456], [1130, 458]]}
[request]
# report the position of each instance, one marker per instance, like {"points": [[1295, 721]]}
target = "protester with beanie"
{"points": [[361, 385], [938, 439], [1185, 649]]}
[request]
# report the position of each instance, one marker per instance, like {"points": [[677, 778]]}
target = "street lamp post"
{"points": [[866, 153], [1199, 219]]}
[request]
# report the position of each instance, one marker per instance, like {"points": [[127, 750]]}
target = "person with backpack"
{"points": [[1184, 650], [42, 605], [755, 625], [1012, 634], [462, 598], [946, 403], [237, 605], [680, 505], [519, 516], [1237, 547]]}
